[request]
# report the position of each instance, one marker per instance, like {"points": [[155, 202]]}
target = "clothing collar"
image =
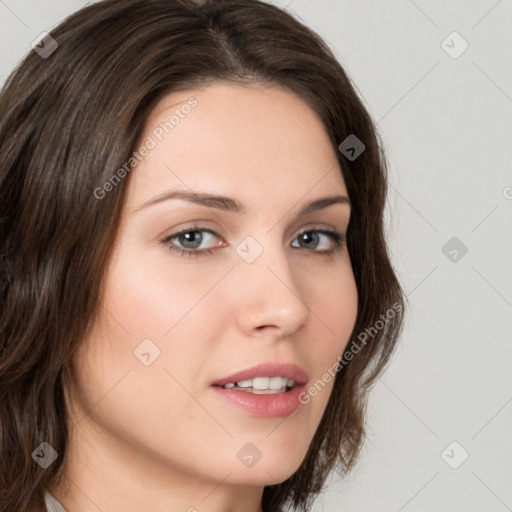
{"points": [[52, 504]]}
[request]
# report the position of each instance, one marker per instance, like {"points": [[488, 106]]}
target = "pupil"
{"points": [[191, 238], [310, 236]]}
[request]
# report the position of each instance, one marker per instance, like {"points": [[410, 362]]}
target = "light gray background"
{"points": [[447, 126]]}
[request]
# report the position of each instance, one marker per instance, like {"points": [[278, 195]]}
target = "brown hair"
{"points": [[69, 120]]}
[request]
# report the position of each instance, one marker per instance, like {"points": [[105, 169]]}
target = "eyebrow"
{"points": [[229, 204]]}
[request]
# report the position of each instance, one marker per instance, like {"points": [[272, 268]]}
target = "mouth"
{"points": [[266, 377], [265, 391]]}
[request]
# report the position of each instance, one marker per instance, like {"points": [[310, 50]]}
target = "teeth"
{"points": [[262, 383]]}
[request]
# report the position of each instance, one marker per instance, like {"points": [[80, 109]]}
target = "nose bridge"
{"points": [[270, 294]]}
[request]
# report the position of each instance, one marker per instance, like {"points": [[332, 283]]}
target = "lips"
{"points": [[289, 371]]}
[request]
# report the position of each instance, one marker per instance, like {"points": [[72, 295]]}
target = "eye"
{"points": [[191, 238], [312, 236]]}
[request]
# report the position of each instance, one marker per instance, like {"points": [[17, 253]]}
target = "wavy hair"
{"points": [[69, 120]]}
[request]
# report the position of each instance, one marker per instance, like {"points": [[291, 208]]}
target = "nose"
{"points": [[269, 295]]}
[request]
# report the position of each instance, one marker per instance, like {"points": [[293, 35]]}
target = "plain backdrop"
{"points": [[439, 416]]}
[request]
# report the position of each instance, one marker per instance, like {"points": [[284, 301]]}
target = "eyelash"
{"points": [[334, 235]]}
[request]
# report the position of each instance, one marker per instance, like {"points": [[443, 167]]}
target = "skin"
{"points": [[157, 435]]}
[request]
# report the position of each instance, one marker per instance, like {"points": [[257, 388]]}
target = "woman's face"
{"points": [[249, 289]]}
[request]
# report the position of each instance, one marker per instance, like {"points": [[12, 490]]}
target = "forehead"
{"points": [[235, 139]]}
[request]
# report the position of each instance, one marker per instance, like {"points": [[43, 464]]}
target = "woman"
{"points": [[196, 291]]}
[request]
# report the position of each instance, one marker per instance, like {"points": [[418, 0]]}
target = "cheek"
{"points": [[159, 312], [334, 307], [147, 406], [151, 295], [346, 316], [334, 311]]}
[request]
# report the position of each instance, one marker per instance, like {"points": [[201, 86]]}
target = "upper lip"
{"points": [[289, 371]]}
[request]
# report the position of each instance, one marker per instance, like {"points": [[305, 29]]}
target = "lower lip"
{"points": [[262, 406]]}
